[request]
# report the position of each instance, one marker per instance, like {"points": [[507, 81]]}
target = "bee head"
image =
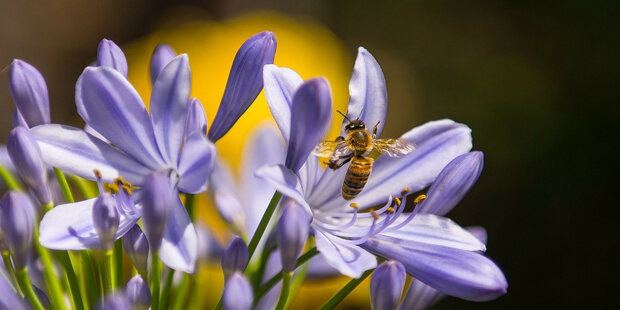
{"points": [[354, 125]]}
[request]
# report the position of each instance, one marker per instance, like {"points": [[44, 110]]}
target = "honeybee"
{"points": [[355, 148]]}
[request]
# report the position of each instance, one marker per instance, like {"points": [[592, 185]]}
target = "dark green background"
{"points": [[536, 81]]}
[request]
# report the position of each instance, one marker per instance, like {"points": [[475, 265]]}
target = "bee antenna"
{"points": [[343, 115], [362, 111]]}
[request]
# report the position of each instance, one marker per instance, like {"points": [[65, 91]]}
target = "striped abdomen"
{"points": [[356, 177]]}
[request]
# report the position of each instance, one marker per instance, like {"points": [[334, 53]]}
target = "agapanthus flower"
{"points": [[346, 237], [140, 145]]}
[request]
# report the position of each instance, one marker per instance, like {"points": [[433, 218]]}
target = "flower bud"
{"points": [[245, 81], [17, 223], [110, 55], [158, 196], [236, 257], [291, 234], [106, 220], [386, 285], [45, 301], [237, 293], [162, 55], [137, 248], [29, 92], [27, 159], [137, 293]]}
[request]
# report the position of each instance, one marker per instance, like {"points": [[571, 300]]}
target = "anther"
{"points": [[419, 199], [113, 188], [397, 200], [374, 214], [390, 210], [405, 191], [97, 174], [354, 205]]}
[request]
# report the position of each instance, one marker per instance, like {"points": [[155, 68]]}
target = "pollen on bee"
{"points": [[354, 205], [374, 214], [419, 199]]}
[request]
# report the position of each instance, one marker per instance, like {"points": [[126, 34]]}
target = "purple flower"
{"points": [[137, 293], [236, 257], [237, 293], [244, 81], [386, 285], [29, 92], [141, 143], [347, 238], [136, 247]]}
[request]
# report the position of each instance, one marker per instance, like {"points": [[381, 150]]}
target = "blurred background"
{"points": [[535, 80]]}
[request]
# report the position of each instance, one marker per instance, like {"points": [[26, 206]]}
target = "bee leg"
{"points": [[374, 131], [334, 165]]}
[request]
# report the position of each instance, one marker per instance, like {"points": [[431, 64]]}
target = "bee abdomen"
{"points": [[356, 177]]}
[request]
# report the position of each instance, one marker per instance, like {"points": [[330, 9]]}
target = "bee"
{"points": [[355, 148]]}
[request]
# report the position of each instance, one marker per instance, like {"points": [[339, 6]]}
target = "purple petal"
{"points": [[196, 118], [110, 55], [179, 249], [29, 92], [453, 183], [162, 55], [169, 101], [196, 163], [237, 293], [74, 151], [479, 232], [26, 157], [350, 260], [291, 233], [109, 104], [432, 229], [95, 134], [464, 274], [420, 296], [386, 285], [311, 113], [70, 227], [264, 147], [285, 182], [368, 92], [437, 143], [280, 85], [244, 82], [10, 299], [18, 120]]}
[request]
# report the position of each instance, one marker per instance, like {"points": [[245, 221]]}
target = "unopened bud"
{"points": [[106, 220], [17, 223], [291, 234], [29, 92], [158, 197], [237, 293], [137, 293], [236, 257], [137, 248], [386, 285]]}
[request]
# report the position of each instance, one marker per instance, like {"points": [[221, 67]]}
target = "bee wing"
{"points": [[394, 147], [331, 149]]}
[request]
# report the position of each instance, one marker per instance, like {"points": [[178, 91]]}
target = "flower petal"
{"points": [[70, 227], [29, 92], [110, 55], [280, 85], [162, 55], [311, 113], [196, 118], [464, 274], [244, 82], [109, 104], [76, 152], [196, 163], [285, 182], [179, 248], [368, 92], [420, 296], [169, 101], [437, 142], [350, 260], [453, 183], [436, 230]]}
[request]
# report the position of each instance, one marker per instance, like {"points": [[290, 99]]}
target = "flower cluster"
{"points": [[138, 172]]}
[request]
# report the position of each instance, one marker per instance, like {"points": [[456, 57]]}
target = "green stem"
{"points": [[179, 298], [107, 272], [64, 259], [342, 294], [257, 276], [89, 277], [264, 289], [155, 280], [286, 286], [8, 179], [165, 295], [118, 263], [262, 226], [52, 282], [6, 258], [64, 185], [190, 205], [26, 286]]}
